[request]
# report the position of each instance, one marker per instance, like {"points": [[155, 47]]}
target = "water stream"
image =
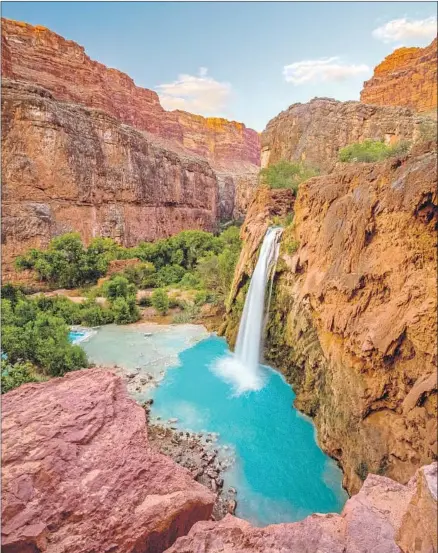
{"points": [[241, 369]]}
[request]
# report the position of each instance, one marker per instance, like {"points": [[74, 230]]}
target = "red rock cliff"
{"points": [[37, 55], [353, 313], [407, 77], [66, 167]]}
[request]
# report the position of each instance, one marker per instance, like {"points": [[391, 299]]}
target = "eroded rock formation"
{"points": [[379, 518], [407, 77], [37, 55], [354, 312], [315, 132], [85, 149], [78, 474], [66, 167]]}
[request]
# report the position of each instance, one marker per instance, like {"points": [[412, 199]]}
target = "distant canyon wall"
{"points": [[85, 149], [70, 168], [37, 55], [315, 132], [407, 77]]}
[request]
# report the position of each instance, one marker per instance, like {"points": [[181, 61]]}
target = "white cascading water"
{"points": [[242, 368]]}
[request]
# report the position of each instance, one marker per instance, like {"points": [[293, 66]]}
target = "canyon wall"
{"points": [[85, 149], [37, 55], [315, 132], [383, 517], [407, 77], [66, 167], [352, 322], [79, 475]]}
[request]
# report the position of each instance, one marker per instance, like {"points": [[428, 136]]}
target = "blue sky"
{"points": [[243, 60]]}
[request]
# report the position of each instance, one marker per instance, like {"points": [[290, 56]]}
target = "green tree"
{"points": [[119, 287], [160, 301], [285, 174], [14, 375]]}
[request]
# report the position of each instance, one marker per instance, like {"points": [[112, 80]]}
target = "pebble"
{"points": [[173, 420]]}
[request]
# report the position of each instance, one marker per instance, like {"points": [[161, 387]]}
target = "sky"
{"points": [[245, 61]]}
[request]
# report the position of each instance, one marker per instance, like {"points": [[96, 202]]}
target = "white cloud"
{"points": [[405, 29], [324, 69], [197, 94]]}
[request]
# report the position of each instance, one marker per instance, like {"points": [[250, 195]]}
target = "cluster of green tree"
{"points": [[35, 339], [35, 330], [67, 263], [286, 174], [370, 151]]}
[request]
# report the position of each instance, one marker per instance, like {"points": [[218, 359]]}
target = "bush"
{"points": [[285, 174], [66, 263], [370, 151], [13, 375], [118, 287], [125, 310], [170, 274], [189, 313], [160, 301]]}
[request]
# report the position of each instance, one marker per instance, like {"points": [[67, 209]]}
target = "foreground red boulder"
{"points": [[79, 476], [384, 517]]}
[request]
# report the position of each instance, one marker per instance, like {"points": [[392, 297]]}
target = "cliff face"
{"points": [[85, 149], [315, 132], [66, 167], [384, 516], [79, 475], [37, 55], [407, 77], [353, 316]]}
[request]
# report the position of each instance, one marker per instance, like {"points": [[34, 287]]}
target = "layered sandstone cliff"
{"points": [[78, 474], [407, 77], [353, 315], [85, 149], [37, 55], [315, 132], [66, 167], [383, 517]]}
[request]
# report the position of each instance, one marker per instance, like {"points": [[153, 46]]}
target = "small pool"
{"points": [[280, 472], [79, 335]]}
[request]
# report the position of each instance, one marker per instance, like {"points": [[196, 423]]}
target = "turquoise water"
{"points": [[76, 336], [280, 473]]}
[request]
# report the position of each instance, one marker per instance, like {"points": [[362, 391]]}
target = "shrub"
{"points": [[145, 301], [170, 274], [370, 151], [118, 287], [13, 375], [125, 310], [285, 174], [189, 313], [160, 301]]}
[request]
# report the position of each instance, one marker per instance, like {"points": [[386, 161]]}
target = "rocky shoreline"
{"points": [[197, 452]]}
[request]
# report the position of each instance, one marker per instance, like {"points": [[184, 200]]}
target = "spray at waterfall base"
{"points": [[241, 369]]}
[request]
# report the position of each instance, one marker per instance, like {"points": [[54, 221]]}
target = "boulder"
{"points": [[373, 521], [79, 476]]}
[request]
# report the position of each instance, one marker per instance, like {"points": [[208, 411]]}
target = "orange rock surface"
{"points": [[37, 55], [407, 77], [353, 314]]}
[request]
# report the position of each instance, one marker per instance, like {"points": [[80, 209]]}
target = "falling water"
{"points": [[242, 369]]}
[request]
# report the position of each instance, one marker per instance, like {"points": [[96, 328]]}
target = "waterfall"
{"points": [[242, 368]]}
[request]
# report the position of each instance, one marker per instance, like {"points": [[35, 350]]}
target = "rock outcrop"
{"points": [[121, 166], [37, 55], [407, 77], [353, 315], [377, 519], [79, 475], [315, 132], [66, 167]]}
